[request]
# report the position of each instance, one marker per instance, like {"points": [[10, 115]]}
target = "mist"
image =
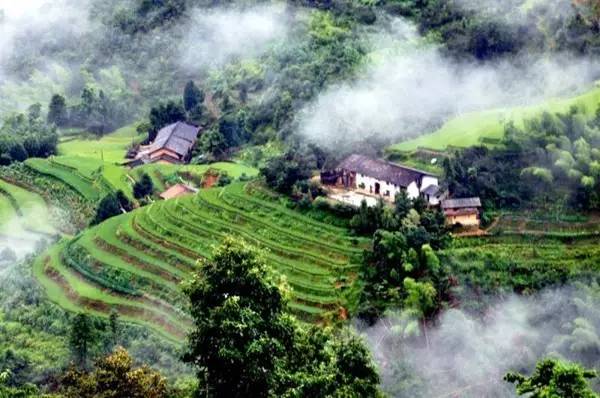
{"points": [[410, 88], [221, 35], [467, 356], [25, 233], [30, 33]]}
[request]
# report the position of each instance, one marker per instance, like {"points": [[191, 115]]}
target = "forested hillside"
{"points": [[179, 218]]}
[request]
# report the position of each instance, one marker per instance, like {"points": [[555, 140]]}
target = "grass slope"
{"points": [[469, 129], [111, 148], [139, 259]]}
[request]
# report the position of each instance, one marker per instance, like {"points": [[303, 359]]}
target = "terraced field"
{"points": [[135, 262], [88, 188]]}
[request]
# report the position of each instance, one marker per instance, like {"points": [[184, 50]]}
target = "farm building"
{"points": [[464, 211], [173, 144], [177, 191], [376, 177]]}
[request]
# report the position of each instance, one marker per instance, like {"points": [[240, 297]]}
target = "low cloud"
{"points": [[30, 33], [22, 234], [467, 356], [220, 35], [411, 88]]}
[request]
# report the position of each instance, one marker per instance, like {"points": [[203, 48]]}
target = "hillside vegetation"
{"points": [[255, 283], [134, 262], [487, 127]]}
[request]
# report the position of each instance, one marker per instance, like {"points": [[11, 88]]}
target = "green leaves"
{"points": [[553, 379], [244, 345]]}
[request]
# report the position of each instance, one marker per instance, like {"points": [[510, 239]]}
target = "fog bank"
{"points": [[411, 88], [468, 356], [220, 35]]}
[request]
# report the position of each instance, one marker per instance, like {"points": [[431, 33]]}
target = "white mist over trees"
{"points": [[467, 355], [221, 35], [411, 88]]}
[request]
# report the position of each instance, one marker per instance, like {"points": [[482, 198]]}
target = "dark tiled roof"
{"points": [[431, 190], [382, 170], [461, 203], [178, 137]]}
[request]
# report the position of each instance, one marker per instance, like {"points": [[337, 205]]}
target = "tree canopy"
{"points": [[554, 378], [243, 343]]}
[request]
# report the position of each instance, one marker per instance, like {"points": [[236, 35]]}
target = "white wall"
{"points": [[413, 190], [433, 201], [369, 182]]}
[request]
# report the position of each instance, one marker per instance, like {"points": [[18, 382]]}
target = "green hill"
{"points": [[476, 127]]}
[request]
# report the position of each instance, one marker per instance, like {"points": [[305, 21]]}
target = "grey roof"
{"points": [[178, 137], [382, 170], [431, 190], [461, 203]]}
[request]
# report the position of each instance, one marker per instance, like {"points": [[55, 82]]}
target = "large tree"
{"points": [[192, 96], [144, 187], [57, 110], [111, 205], [243, 344], [284, 171], [81, 338], [554, 378], [240, 333]]}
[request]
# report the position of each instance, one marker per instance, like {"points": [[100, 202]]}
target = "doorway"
{"points": [[377, 188]]}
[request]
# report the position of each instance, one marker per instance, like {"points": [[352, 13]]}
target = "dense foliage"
{"points": [[111, 205], [115, 377], [243, 344], [24, 136], [144, 187], [95, 112], [282, 173], [551, 163], [403, 268], [485, 31], [553, 378]]}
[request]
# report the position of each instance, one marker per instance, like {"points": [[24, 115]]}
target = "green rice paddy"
{"points": [[140, 258]]}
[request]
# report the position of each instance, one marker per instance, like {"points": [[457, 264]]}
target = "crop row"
{"points": [[144, 255], [235, 199], [192, 234], [76, 291], [75, 181]]}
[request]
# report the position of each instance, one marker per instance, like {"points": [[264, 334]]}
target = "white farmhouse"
{"points": [[385, 179]]}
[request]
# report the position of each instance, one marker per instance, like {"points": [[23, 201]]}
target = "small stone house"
{"points": [[463, 211], [173, 145], [381, 178]]}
